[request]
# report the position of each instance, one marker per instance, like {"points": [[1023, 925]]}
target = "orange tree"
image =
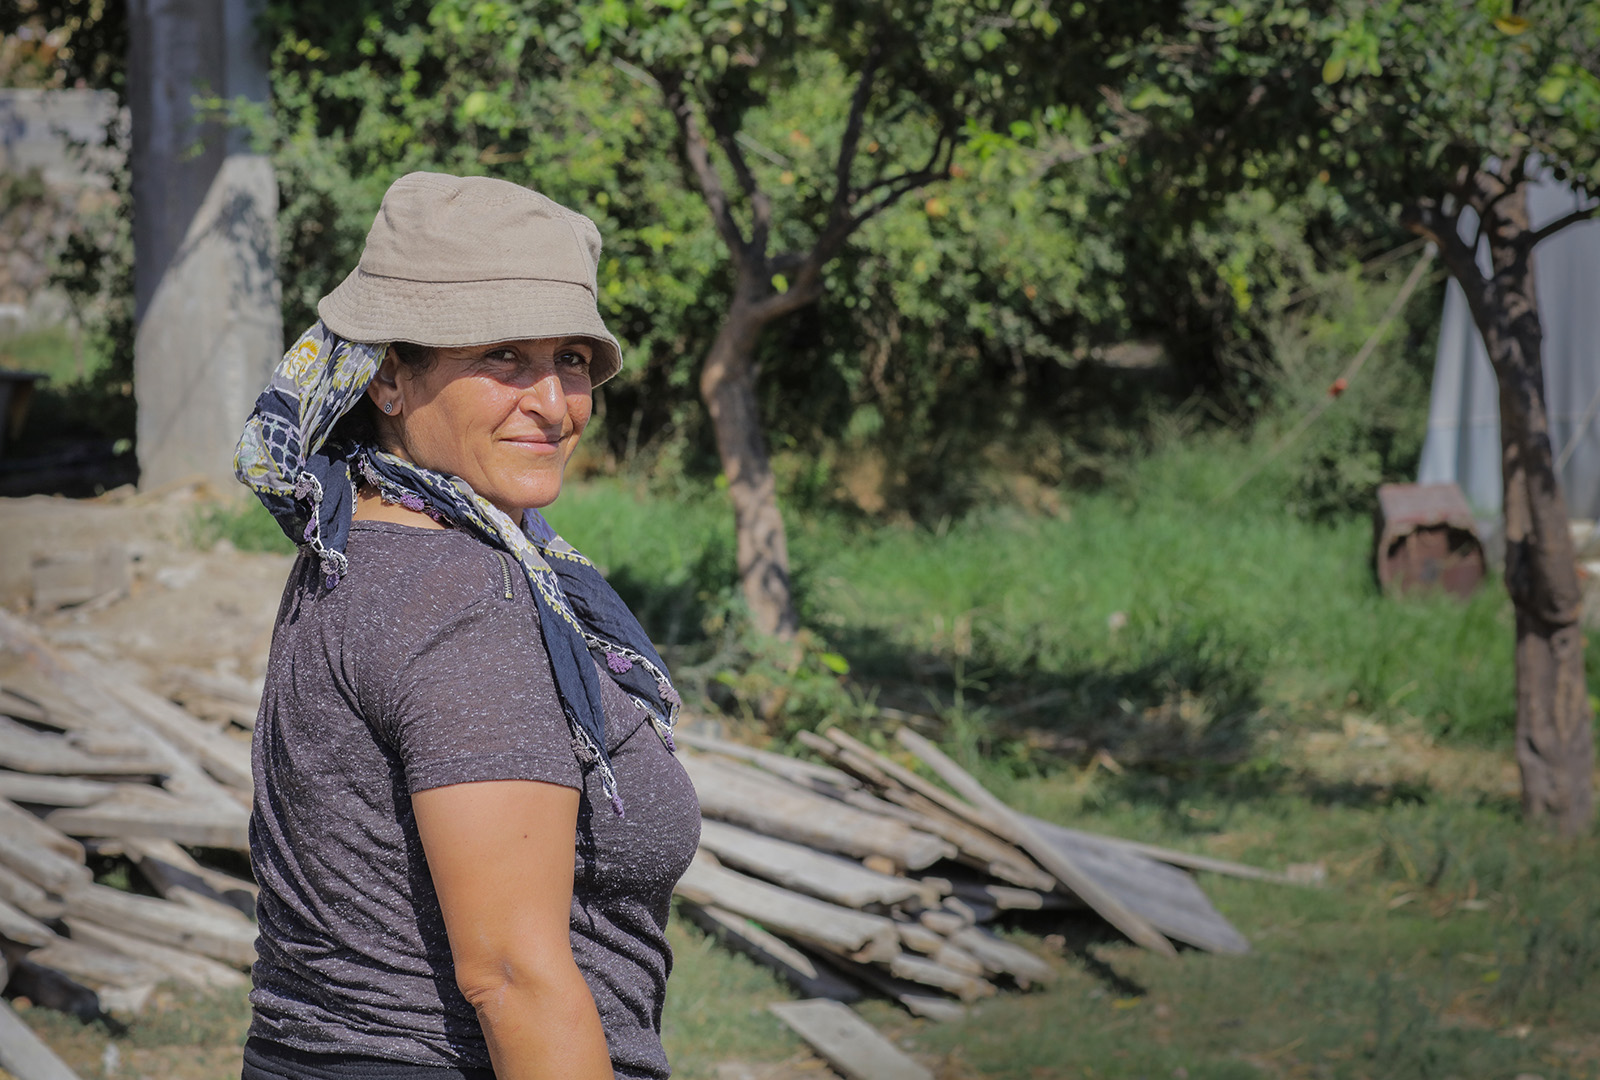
{"points": [[918, 79], [1438, 114]]}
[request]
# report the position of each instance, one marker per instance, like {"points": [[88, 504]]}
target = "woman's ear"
{"points": [[384, 389]]}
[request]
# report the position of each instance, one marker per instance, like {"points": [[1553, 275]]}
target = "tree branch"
{"points": [[1428, 220], [696, 151], [1530, 240], [760, 202], [843, 194]]}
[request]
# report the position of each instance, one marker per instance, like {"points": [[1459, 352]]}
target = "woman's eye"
{"points": [[572, 358]]}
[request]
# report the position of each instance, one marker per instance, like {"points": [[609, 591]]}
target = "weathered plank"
{"points": [[49, 869], [17, 925], [1188, 860], [23, 1055], [1001, 957], [1009, 898], [26, 750], [169, 868], [166, 923], [774, 807], [975, 845], [53, 790], [19, 705], [919, 938], [795, 967], [178, 964], [96, 967], [1052, 857], [1168, 898], [795, 770], [913, 997], [929, 972], [26, 895], [847, 1042], [226, 759], [151, 812], [815, 873], [216, 684], [16, 821], [856, 933]]}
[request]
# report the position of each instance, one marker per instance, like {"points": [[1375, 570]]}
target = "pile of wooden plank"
{"points": [[849, 874], [96, 765], [862, 875]]}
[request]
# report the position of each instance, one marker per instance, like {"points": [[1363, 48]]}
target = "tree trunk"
{"points": [[728, 387], [1555, 742]]}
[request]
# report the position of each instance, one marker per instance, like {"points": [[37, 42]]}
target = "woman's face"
{"points": [[505, 417]]}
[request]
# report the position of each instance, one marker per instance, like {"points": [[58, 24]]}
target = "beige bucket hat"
{"points": [[467, 260]]}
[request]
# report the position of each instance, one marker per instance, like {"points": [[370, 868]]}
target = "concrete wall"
{"points": [[205, 283]]}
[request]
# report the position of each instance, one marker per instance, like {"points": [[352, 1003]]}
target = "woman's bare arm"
{"points": [[501, 856]]}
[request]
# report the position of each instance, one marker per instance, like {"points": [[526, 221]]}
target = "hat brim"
{"points": [[369, 308]]}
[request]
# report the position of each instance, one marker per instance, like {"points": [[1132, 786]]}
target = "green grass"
{"points": [[1232, 607], [53, 351], [1449, 942]]}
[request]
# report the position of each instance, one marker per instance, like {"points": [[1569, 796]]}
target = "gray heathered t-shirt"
{"points": [[416, 672]]}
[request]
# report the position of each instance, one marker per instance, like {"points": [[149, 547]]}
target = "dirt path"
{"points": [[207, 609]]}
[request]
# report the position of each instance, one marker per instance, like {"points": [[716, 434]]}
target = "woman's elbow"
{"points": [[489, 982]]}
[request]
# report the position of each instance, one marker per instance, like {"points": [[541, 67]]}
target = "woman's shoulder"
{"points": [[437, 572]]}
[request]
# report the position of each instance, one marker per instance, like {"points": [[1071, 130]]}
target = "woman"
{"points": [[457, 705]]}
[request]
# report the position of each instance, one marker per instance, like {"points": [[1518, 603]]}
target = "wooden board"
{"points": [[170, 869], [17, 822], [150, 812], [929, 972], [26, 895], [815, 873], [856, 933], [1168, 898], [96, 967], [18, 926], [847, 1042], [1189, 860], [773, 807], [1001, 957], [53, 790], [1052, 857], [48, 869], [23, 1055], [976, 845], [804, 773], [770, 951], [166, 923], [226, 759], [26, 750], [913, 997], [185, 967]]}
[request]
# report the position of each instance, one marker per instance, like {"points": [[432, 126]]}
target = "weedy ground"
{"points": [[1152, 661]]}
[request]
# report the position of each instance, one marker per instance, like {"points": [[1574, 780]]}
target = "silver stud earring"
{"points": [[388, 406]]}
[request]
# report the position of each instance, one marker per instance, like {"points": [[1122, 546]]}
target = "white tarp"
{"points": [[1463, 442]]}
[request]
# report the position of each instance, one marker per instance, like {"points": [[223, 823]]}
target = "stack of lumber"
{"points": [[92, 763], [863, 875], [849, 874]]}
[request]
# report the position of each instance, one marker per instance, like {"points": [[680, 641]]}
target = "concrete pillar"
{"points": [[206, 290]]}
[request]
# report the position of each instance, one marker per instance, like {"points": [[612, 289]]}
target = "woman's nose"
{"points": [[546, 398]]}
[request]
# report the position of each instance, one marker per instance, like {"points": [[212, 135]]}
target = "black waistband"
{"points": [[267, 1060]]}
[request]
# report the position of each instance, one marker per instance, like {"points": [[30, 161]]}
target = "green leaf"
{"points": [[1333, 70], [780, 283], [834, 663]]}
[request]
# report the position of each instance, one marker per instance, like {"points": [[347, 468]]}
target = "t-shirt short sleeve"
{"points": [[474, 698]]}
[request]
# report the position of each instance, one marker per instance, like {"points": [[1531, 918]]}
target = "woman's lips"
{"points": [[537, 444]]}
